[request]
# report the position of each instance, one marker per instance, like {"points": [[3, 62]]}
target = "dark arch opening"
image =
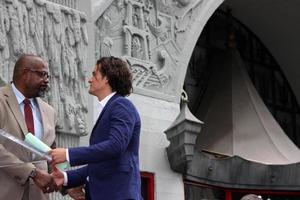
{"points": [[262, 68]]}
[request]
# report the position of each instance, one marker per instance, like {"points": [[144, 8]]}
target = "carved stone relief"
{"points": [[150, 35], [58, 34]]}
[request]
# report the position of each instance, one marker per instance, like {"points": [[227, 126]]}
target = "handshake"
{"points": [[46, 182], [54, 182]]}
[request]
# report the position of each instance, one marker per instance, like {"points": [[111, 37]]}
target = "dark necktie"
{"points": [[28, 116]]}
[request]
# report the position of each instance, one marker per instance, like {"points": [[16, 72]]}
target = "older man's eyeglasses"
{"points": [[43, 74]]}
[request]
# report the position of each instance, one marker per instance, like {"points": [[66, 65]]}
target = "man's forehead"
{"points": [[39, 62], [42, 67]]}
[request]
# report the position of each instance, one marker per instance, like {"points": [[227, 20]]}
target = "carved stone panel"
{"points": [[150, 35], [58, 34]]}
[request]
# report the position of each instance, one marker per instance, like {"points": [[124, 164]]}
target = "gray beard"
{"points": [[42, 93]]}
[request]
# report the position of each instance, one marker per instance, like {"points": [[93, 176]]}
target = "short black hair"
{"points": [[24, 61]]}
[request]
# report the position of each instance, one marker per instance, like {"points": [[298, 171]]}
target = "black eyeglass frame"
{"points": [[43, 74]]}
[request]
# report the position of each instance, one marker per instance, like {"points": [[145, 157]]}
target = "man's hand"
{"points": [[58, 177], [77, 193], [58, 156], [44, 181]]}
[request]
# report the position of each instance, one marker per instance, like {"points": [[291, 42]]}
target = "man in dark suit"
{"points": [[112, 159]]}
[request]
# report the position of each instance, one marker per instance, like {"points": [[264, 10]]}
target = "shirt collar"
{"points": [[20, 97], [104, 101]]}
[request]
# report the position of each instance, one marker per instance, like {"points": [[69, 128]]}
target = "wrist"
{"points": [[33, 173]]}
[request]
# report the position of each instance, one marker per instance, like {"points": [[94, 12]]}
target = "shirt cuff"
{"points": [[67, 155], [65, 179]]}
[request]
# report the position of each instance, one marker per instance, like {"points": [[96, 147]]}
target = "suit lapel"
{"points": [[15, 108], [44, 119], [105, 108]]}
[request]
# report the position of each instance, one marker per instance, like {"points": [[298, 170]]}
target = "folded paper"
{"points": [[41, 146]]}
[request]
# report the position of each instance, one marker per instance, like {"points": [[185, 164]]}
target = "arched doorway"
{"points": [[269, 80], [265, 73]]}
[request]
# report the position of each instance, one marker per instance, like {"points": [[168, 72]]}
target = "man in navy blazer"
{"points": [[111, 170]]}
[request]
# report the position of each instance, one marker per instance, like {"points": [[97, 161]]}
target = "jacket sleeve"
{"points": [[122, 121], [20, 171], [77, 177], [53, 145]]}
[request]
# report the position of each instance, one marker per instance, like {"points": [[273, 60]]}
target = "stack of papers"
{"points": [[41, 146]]}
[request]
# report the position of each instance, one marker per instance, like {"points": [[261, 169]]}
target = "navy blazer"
{"points": [[112, 159]]}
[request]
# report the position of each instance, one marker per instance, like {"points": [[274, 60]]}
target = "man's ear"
{"points": [[106, 79]]}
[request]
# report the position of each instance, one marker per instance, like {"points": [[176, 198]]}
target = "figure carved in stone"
{"points": [[102, 25], [109, 25], [84, 30], [39, 30], [115, 14], [77, 27], [14, 20], [70, 110], [136, 48], [135, 20], [165, 59], [25, 27], [106, 47]]}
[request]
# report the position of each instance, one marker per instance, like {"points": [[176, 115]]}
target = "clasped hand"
{"points": [[76, 193], [51, 182], [45, 181], [58, 156]]}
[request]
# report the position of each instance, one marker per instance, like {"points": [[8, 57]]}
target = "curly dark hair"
{"points": [[118, 74]]}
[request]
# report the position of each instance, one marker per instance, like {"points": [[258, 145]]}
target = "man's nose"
{"points": [[46, 80]]}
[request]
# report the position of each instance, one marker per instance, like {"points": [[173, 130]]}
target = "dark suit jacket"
{"points": [[112, 158]]}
